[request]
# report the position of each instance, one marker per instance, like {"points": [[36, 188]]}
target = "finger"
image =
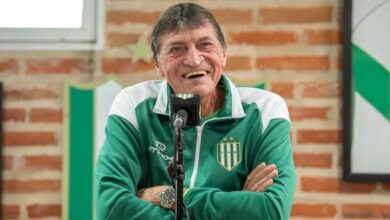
{"points": [[269, 176], [256, 174], [253, 173], [260, 175], [263, 187], [265, 182]]}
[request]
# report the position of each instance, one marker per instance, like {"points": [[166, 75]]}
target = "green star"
{"points": [[140, 50]]}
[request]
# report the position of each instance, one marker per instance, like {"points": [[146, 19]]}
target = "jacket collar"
{"points": [[232, 107]]}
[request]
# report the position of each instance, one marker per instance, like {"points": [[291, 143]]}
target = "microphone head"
{"points": [[189, 103], [180, 118]]}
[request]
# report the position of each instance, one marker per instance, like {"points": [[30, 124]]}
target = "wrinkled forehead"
{"points": [[205, 30]]}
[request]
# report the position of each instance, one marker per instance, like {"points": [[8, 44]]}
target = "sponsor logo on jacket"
{"points": [[159, 148]]}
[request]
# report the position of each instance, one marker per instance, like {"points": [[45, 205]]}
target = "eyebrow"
{"points": [[206, 38], [174, 43]]}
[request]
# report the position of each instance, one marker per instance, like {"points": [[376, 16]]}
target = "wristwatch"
{"points": [[168, 198]]}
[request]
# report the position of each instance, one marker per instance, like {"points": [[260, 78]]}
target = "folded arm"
{"points": [[267, 192], [273, 203], [118, 172], [257, 181]]}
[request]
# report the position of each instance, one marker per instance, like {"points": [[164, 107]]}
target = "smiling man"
{"points": [[238, 162], [192, 61]]}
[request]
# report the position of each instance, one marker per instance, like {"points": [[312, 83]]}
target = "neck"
{"points": [[211, 103]]}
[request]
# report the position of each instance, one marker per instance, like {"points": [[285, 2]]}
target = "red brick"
{"points": [[323, 160], [301, 113], [10, 212], [366, 211], [14, 114], [29, 138], [238, 63], [284, 89], [121, 40], [8, 66], [233, 16], [386, 186], [33, 93], [263, 37], [45, 115], [319, 136], [125, 65], [320, 90], [293, 63], [386, 212], [340, 63], [323, 36], [44, 210], [63, 66], [313, 210], [43, 162], [7, 162], [324, 184], [296, 15], [129, 16], [29, 186]]}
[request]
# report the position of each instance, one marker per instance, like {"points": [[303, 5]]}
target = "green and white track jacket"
{"points": [[252, 127]]}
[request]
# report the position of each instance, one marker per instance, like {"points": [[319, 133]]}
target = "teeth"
{"points": [[194, 73]]}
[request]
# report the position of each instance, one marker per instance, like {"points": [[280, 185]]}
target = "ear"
{"points": [[158, 70], [224, 58]]}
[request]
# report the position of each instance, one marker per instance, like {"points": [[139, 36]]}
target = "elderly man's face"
{"points": [[191, 60]]}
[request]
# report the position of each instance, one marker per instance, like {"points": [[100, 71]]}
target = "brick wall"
{"points": [[293, 44]]}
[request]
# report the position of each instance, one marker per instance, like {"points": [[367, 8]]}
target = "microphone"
{"points": [[180, 118], [184, 110]]}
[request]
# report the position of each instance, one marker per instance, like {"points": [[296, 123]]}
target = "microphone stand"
{"points": [[176, 171], [184, 112]]}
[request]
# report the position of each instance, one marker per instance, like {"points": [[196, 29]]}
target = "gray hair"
{"points": [[179, 16]]}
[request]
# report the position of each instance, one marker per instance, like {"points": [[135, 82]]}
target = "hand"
{"points": [[151, 194], [260, 178]]}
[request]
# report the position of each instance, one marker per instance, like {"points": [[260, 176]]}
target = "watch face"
{"points": [[168, 198]]}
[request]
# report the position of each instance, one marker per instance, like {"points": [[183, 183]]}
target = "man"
{"points": [[238, 162]]}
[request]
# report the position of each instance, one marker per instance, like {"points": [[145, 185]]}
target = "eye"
{"points": [[176, 49], [206, 45]]}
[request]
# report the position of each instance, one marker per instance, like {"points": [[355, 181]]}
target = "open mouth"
{"points": [[195, 74]]}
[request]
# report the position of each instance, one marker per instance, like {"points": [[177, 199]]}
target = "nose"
{"points": [[193, 57]]}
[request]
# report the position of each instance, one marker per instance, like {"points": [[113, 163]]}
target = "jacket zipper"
{"points": [[199, 130]]}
